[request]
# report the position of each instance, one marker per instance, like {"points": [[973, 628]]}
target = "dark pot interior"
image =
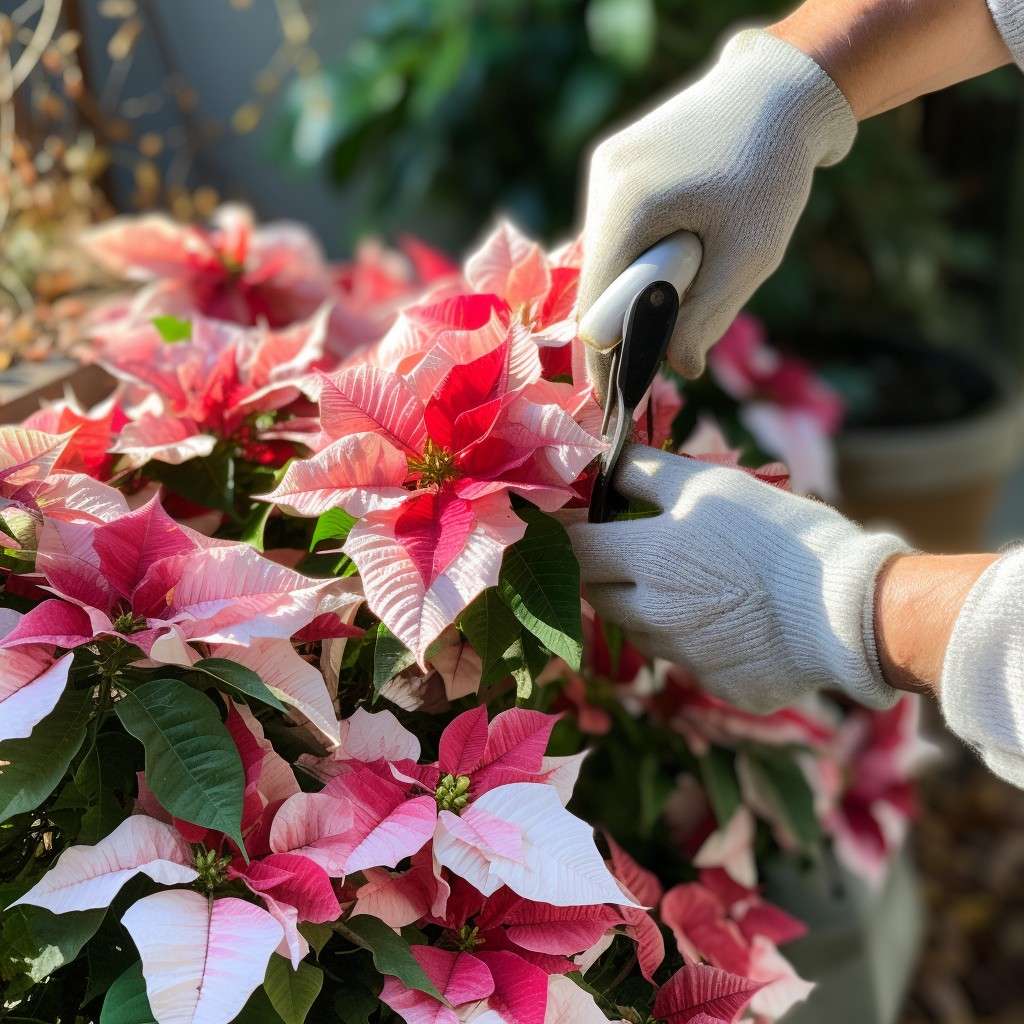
{"points": [[888, 383]]}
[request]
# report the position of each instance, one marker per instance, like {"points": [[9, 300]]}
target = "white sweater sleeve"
{"points": [[983, 674], [1009, 19]]}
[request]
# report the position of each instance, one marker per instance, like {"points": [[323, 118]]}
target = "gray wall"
{"points": [[221, 49]]}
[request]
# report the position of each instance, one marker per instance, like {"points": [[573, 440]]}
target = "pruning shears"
{"points": [[654, 284]]}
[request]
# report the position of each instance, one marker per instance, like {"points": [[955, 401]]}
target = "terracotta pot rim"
{"points": [[983, 446]]}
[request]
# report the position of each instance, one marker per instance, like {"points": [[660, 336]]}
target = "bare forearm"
{"points": [[883, 53], [917, 601]]}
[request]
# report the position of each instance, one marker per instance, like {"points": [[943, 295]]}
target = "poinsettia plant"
{"points": [[302, 712]]}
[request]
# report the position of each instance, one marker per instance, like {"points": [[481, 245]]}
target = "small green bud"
{"points": [[452, 793], [435, 467], [211, 867], [128, 622], [468, 938]]}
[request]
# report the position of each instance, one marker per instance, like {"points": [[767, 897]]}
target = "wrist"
{"points": [[917, 601], [883, 54], [812, 31]]}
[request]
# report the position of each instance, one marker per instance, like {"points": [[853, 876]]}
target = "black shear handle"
{"points": [[646, 332]]}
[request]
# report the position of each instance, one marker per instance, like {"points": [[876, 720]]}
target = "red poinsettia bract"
{"points": [[428, 462]]}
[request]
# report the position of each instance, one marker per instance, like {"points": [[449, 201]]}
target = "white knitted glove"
{"points": [[729, 159], [765, 594], [982, 690], [1009, 18]]}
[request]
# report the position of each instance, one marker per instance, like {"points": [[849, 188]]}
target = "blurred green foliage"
{"points": [[442, 112]]}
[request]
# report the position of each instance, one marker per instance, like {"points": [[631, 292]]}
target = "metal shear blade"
{"points": [[646, 331]]}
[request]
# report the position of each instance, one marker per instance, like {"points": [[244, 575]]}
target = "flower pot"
{"points": [[930, 438], [861, 945], [25, 386]]}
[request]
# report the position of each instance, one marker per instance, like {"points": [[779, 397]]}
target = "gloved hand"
{"points": [[729, 159], [767, 595]]}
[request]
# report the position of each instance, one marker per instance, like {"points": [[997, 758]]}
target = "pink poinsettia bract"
{"points": [[430, 472]]}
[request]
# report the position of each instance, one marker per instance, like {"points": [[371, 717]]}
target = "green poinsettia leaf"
{"points": [[258, 1010], [107, 955], [208, 481], [390, 952], [172, 329], [292, 993], [334, 524], [108, 769], [317, 935], [126, 1001], [254, 525], [35, 943], [192, 764], [784, 783], [390, 656], [355, 1004], [35, 765], [236, 679], [540, 583], [718, 772], [528, 659], [493, 632]]}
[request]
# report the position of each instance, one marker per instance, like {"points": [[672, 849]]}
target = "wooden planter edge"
{"points": [[27, 386]]}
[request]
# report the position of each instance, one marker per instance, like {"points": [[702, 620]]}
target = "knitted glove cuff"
{"points": [[1009, 18], [827, 607], [802, 100], [981, 688]]}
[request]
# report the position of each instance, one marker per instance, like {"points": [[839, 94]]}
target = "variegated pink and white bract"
{"points": [[32, 678], [371, 815], [33, 485], [409, 795], [232, 270], [428, 462], [224, 383], [509, 280], [145, 579], [510, 829], [789, 410]]}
